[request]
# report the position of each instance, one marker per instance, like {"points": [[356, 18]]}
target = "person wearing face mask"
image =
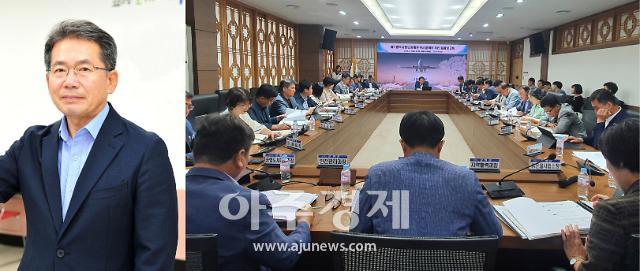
{"points": [[608, 113], [240, 217], [238, 104]]}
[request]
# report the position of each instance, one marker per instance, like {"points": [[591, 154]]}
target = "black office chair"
{"points": [[414, 253], [588, 116], [202, 252], [222, 102]]}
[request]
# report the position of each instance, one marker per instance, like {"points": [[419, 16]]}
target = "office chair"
{"points": [[202, 252], [415, 253]]}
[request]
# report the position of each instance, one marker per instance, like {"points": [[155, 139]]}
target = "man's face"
{"points": [[540, 85], [598, 105], [346, 80], [486, 85], [552, 111], [531, 83], [421, 80], [523, 95], [460, 81], [264, 102], [187, 108], [554, 88], [79, 96], [290, 90], [306, 92]]}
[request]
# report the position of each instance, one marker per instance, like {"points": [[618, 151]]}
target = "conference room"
{"points": [[412, 135]]}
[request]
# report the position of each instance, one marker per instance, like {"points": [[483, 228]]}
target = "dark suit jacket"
{"points": [[424, 86], [123, 212], [207, 191], [300, 102], [599, 128]]}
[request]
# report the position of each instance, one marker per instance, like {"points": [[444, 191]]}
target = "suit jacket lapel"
{"points": [[50, 174], [109, 142]]}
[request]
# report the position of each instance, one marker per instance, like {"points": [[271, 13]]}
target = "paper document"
{"points": [[284, 205], [594, 156], [534, 220], [294, 115]]}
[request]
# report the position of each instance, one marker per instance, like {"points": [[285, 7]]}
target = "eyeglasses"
{"points": [[83, 70], [190, 106]]}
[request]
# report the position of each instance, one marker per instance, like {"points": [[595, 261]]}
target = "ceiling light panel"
{"points": [[433, 14], [436, 17]]}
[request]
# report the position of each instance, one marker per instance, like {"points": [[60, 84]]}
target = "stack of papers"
{"points": [[260, 138], [294, 115], [535, 220], [284, 205], [594, 156]]}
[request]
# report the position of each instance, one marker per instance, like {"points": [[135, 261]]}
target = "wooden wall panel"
{"points": [[615, 27]]}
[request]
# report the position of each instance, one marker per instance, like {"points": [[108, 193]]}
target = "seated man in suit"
{"points": [[524, 106], [460, 83], [422, 84], [488, 91], [190, 133], [259, 110], [443, 199], [343, 87], [302, 98], [238, 104], [561, 118], [98, 191], [239, 216], [508, 97], [611, 244], [369, 83], [608, 113], [286, 100]]}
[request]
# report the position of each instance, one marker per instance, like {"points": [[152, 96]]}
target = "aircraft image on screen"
{"points": [[419, 67]]}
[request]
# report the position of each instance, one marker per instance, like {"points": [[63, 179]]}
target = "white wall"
{"points": [[530, 65], [591, 69], [151, 54]]}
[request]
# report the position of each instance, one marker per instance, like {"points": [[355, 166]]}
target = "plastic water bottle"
{"points": [[312, 123], [612, 183], [285, 169], [583, 184], [528, 125], [560, 149], [345, 181]]}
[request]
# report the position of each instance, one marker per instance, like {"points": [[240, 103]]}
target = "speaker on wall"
{"points": [[329, 39], [536, 43]]}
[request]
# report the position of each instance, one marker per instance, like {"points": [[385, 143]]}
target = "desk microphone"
{"points": [[509, 189], [574, 179]]}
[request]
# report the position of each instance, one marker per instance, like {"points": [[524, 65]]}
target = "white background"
{"points": [[592, 69], [151, 54]]}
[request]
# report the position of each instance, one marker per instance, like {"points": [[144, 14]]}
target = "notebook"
{"points": [[284, 205], [535, 220]]}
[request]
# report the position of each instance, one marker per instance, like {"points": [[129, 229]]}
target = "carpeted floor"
{"points": [[383, 145]]}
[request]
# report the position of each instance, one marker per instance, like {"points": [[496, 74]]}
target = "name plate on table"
{"points": [[337, 118], [506, 130], [484, 164], [360, 105], [374, 97], [493, 121], [535, 149], [294, 143], [332, 160], [548, 166], [328, 125], [368, 101], [349, 111], [273, 159], [484, 114]]}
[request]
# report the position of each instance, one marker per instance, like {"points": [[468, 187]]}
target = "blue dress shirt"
{"points": [[441, 200], [512, 100], [73, 152]]}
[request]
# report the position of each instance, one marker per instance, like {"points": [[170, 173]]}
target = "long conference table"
{"points": [[483, 140]]}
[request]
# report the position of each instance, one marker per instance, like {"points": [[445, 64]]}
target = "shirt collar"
{"points": [[608, 120], [93, 127]]}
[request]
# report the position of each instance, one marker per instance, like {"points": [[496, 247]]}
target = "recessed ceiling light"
{"points": [[519, 1], [485, 25], [449, 18], [342, 12], [356, 22], [459, 38], [563, 11], [399, 24], [457, 7], [499, 15], [470, 35], [446, 25], [358, 36], [382, 37], [394, 17], [389, 5], [488, 39]]}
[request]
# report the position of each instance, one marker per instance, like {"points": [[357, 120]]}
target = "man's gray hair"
{"points": [[85, 30]]}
